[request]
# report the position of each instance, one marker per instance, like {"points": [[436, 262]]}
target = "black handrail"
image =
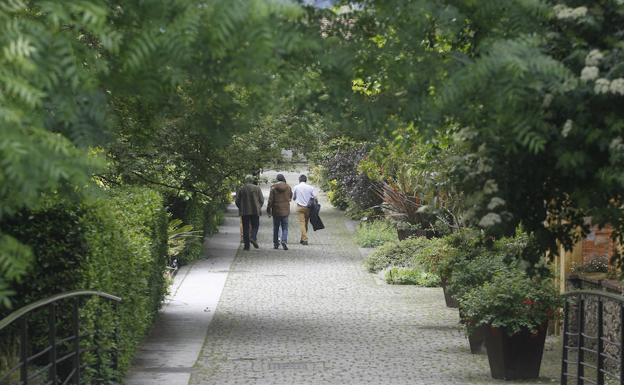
{"points": [[585, 344], [41, 303], [52, 349]]}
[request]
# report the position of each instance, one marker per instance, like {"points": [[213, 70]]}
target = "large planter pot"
{"points": [[450, 300], [476, 339], [514, 357]]}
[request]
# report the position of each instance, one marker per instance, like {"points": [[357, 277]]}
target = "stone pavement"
{"points": [[169, 352], [313, 315]]}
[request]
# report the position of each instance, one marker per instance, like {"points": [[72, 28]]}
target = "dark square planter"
{"points": [[514, 357], [476, 339]]}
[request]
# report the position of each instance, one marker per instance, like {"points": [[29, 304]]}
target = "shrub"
{"points": [[375, 233], [511, 300], [470, 273], [461, 245], [318, 176], [346, 185], [396, 254], [116, 243], [411, 276], [202, 216], [432, 254], [336, 195], [194, 215]]}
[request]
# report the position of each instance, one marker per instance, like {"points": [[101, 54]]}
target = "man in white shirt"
{"points": [[302, 193]]}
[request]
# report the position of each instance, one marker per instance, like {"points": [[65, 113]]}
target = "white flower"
{"points": [[589, 73], [490, 220], [495, 202], [563, 12], [617, 86], [593, 58], [567, 127], [602, 86], [579, 12]]}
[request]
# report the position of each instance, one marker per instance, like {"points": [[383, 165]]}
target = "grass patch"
{"points": [[412, 261], [374, 234], [411, 276]]}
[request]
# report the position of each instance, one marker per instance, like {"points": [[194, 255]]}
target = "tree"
{"points": [[152, 92]]}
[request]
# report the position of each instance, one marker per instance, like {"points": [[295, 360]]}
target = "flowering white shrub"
{"points": [[617, 86], [589, 73], [563, 12], [593, 57], [602, 86], [567, 127]]}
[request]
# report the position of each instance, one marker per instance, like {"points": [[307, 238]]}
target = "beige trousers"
{"points": [[303, 216]]}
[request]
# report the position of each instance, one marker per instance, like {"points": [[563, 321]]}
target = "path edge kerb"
{"points": [[165, 357]]}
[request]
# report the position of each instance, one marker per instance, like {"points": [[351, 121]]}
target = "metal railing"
{"points": [[593, 338], [59, 349]]}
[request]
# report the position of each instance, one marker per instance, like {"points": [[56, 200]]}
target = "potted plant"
{"points": [[460, 246], [515, 309], [406, 208], [471, 273]]}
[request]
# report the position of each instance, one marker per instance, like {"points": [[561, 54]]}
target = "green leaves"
{"points": [[512, 301], [15, 259]]}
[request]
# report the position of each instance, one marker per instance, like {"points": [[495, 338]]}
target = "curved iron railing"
{"points": [[33, 366], [594, 338]]}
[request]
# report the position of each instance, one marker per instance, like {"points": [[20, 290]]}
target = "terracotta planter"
{"points": [[514, 357], [448, 297], [476, 339]]}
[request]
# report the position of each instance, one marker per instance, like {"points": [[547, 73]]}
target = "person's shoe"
{"points": [[246, 248], [284, 246], [301, 241], [254, 243], [276, 247], [305, 243]]}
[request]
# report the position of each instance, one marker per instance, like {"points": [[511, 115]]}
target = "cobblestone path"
{"points": [[313, 315]]}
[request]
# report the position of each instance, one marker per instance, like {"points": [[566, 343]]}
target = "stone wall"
{"points": [[611, 322]]}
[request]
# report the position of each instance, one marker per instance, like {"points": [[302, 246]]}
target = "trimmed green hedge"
{"points": [[204, 217], [116, 243]]}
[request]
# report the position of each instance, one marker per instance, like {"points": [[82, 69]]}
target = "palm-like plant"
{"points": [[178, 235]]}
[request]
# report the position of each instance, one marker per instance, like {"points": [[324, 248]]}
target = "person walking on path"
{"points": [[249, 200], [279, 208], [302, 193]]}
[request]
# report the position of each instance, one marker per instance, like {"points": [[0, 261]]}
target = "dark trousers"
{"points": [[277, 223], [252, 221]]}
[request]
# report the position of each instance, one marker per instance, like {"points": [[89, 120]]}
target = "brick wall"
{"points": [[597, 244]]}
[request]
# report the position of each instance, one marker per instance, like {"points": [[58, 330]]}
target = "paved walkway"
{"points": [[313, 315], [310, 315], [168, 354]]}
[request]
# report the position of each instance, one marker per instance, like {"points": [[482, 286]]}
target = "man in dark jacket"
{"points": [[279, 207], [249, 200]]}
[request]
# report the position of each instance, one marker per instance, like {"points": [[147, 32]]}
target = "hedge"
{"points": [[205, 217], [116, 243]]}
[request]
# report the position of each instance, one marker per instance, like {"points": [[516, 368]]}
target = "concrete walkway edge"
{"points": [[172, 347]]}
